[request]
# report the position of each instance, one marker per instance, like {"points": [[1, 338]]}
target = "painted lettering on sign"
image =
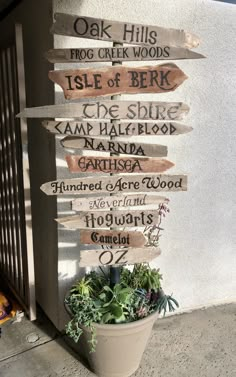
{"points": [[93, 128], [107, 219], [114, 54], [110, 110], [88, 82], [91, 164], [110, 185], [112, 237], [115, 147], [122, 256], [116, 201], [123, 32]]}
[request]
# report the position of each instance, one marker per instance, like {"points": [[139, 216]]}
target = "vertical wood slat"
{"points": [[2, 214], [21, 251], [26, 180], [4, 169], [17, 265], [8, 165]]}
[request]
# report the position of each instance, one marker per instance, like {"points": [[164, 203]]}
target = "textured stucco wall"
{"points": [[198, 246]]}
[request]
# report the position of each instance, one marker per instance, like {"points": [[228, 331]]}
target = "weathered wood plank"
{"points": [[93, 128], [123, 32], [107, 81], [108, 219], [114, 54], [112, 237], [91, 164], [115, 147], [110, 110], [116, 202], [93, 258], [105, 184]]}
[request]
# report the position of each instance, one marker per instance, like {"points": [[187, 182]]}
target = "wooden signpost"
{"points": [[91, 164], [116, 184], [123, 32], [115, 147], [114, 54], [96, 82], [116, 201], [83, 120], [108, 219], [110, 110], [92, 128], [121, 256], [112, 238]]}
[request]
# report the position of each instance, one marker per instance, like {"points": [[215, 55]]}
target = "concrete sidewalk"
{"points": [[199, 344]]}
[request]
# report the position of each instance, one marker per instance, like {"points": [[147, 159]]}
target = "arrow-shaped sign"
{"points": [[121, 256], [116, 147], [92, 128], [110, 110], [123, 32], [105, 184], [88, 82]]}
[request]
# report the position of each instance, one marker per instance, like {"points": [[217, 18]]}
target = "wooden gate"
{"points": [[16, 247]]}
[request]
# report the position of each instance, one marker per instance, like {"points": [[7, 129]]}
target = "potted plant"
{"points": [[116, 320]]}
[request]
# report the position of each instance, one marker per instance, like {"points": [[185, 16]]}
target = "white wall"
{"points": [[198, 246]]}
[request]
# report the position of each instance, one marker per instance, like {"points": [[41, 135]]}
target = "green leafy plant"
{"points": [[92, 300]]}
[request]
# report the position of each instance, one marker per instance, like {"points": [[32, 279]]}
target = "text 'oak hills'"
{"points": [[123, 32]]}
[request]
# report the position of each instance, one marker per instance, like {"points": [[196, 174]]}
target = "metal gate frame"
{"points": [[16, 241]]}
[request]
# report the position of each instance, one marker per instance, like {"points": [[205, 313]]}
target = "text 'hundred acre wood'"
{"points": [[128, 183], [87, 82], [123, 32]]}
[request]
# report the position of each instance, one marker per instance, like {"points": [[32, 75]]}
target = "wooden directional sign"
{"points": [[108, 219], [121, 256], [116, 201], [123, 32], [96, 82], [93, 128], [91, 164], [112, 237], [110, 110], [114, 54], [105, 184], [116, 147]]}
